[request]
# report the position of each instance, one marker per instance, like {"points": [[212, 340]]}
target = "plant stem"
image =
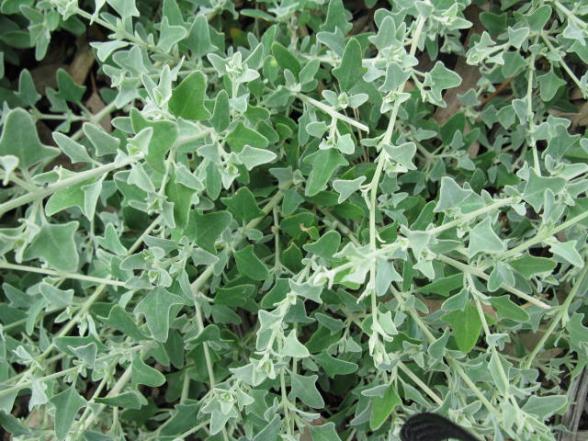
{"points": [[86, 305], [471, 215], [78, 178], [530, 115], [564, 65], [26, 384], [375, 182], [420, 383], [116, 389], [486, 328], [332, 112], [454, 364], [285, 401], [18, 181], [563, 309], [513, 252], [207, 273], [66, 275], [482, 275], [96, 118]]}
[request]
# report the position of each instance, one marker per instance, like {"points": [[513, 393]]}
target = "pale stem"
{"points": [[66, 275], [563, 309], [78, 178], [482, 275], [332, 112]]}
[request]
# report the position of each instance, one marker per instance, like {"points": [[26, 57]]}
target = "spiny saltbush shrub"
{"points": [[292, 220]]}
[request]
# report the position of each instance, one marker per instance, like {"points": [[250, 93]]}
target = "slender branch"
{"points": [[563, 309], [66, 275], [482, 275], [65, 183], [513, 252], [332, 112], [96, 118], [27, 384], [472, 215], [420, 383], [564, 65], [274, 201]]}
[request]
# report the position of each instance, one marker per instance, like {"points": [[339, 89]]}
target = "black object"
{"points": [[432, 427]]}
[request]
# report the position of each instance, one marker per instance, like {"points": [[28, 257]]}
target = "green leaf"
{"points": [[528, 266], [124, 8], [163, 138], [55, 246], [350, 71], [575, 327], [63, 199], [334, 366], [337, 18], [181, 197], [382, 407], [67, 405], [326, 432], [13, 425], [86, 354], [242, 136], [249, 264], [205, 229], [126, 400], [27, 92], [544, 407], [537, 186], [324, 163], [516, 37], [144, 374], [453, 197], [111, 241], [326, 246], [170, 35], [271, 431], [346, 188], [304, 388], [252, 157], [501, 275], [466, 326], [19, 138], [187, 99], [507, 309], [443, 286], [494, 367], [221, 114], [285, 58], [293, 348], [385, 275], [549, 84], [56, 297], [484, 239], [104, 143], [68, 89], [75, 151], [539, 18], [199, 39], [567, 251], [401, 156], [243, 205], [122, 321], [437, 80], [236, 296], [156, 307]]}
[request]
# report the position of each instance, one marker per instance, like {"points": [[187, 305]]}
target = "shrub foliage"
{"points": [[291, 220]]}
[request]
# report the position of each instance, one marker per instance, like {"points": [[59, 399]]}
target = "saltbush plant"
{"points": [[292, 220]]}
